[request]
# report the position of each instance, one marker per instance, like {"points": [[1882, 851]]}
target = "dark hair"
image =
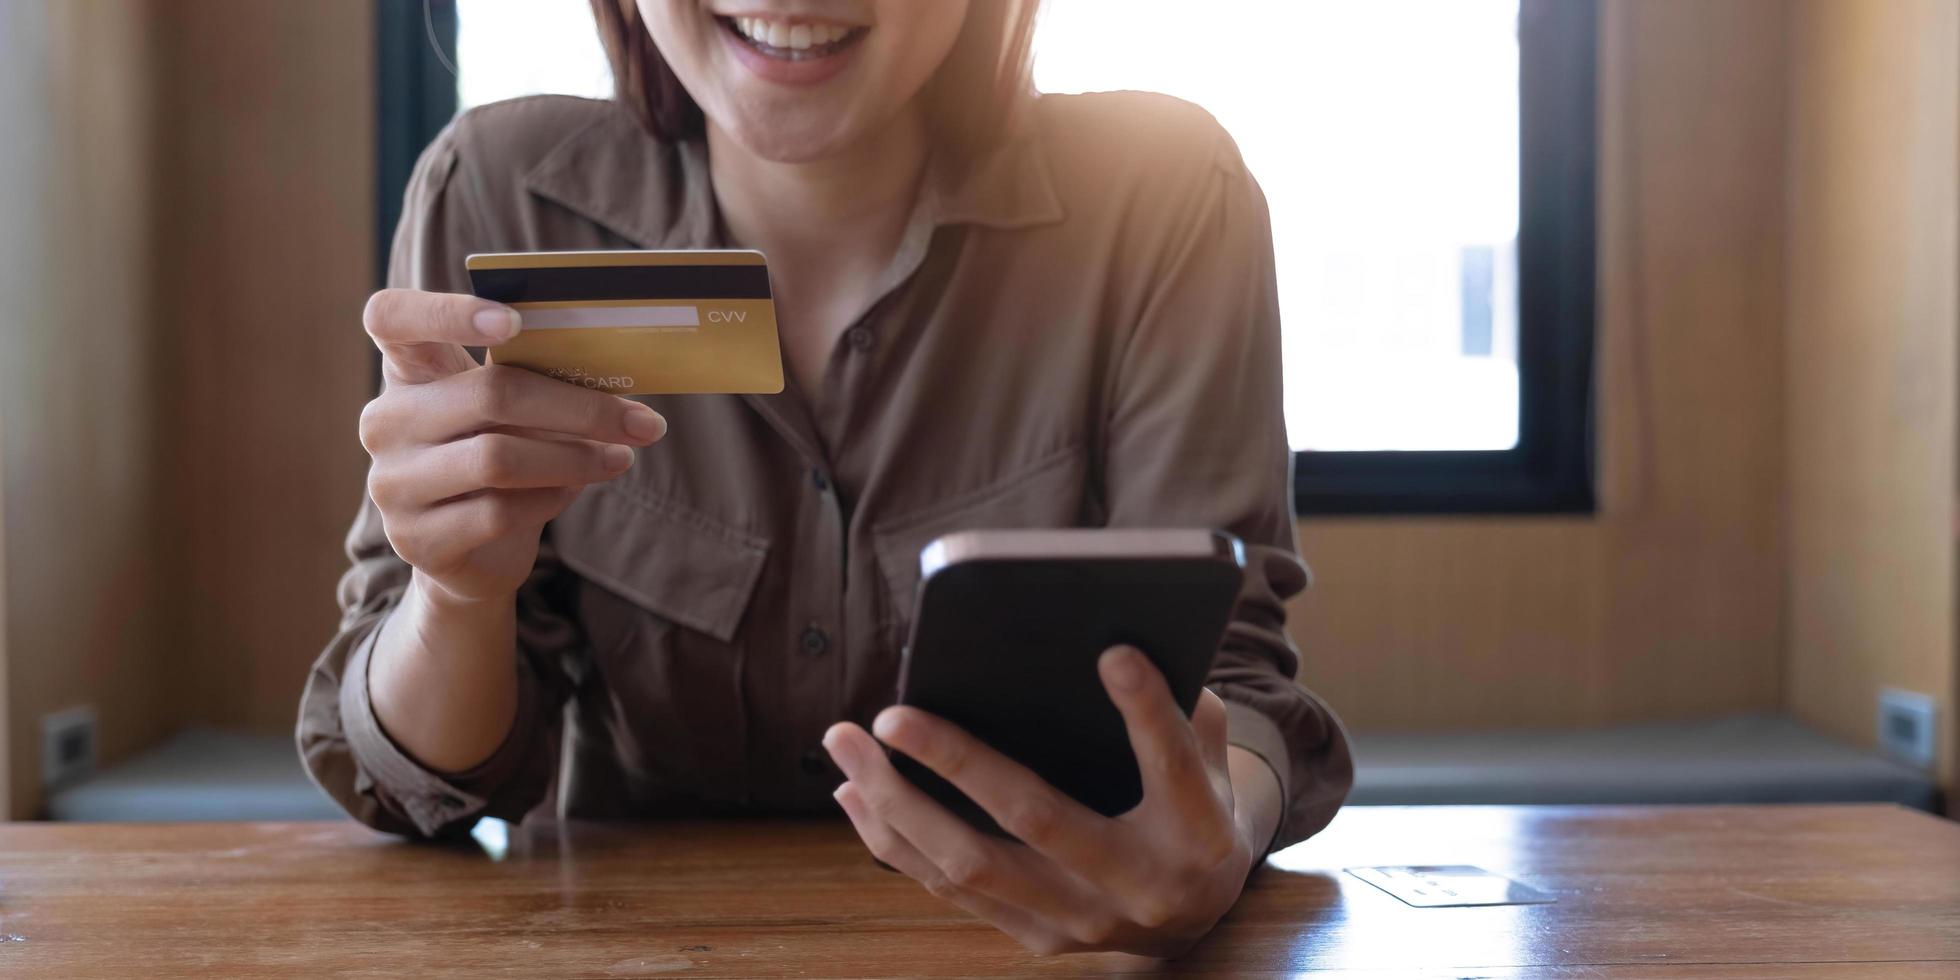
{"points": [[972, 98]]}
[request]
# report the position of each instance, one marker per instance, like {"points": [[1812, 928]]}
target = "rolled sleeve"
{"points": [[352, 758], [430, 800]]}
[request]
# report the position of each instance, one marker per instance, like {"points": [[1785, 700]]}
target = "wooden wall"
{"points": [[265, 238], [23, 171], [1669, 602], [83, 576], [6, 697], [1874, 302], [184, 362]]}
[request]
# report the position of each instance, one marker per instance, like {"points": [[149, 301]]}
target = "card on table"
{"points": [[1444, 885], [638, 323]]}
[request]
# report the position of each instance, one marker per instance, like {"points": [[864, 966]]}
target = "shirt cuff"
{"points": [[431, 800], [1249, 729]]}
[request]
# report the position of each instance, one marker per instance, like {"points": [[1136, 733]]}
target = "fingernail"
{"points": [[496, 323], [842, 752], [889, 726], [644, 423], [618, 458], [1122, 670], [846, 798]]}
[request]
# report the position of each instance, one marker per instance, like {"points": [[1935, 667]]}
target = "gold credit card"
{"points": [[638, 323]]}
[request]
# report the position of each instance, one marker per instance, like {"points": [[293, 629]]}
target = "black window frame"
{"points": [[414, 97], [1550, 470]]}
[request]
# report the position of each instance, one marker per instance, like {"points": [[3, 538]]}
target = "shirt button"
{"points": [[818, 480], [859, 338], [815, 641]]}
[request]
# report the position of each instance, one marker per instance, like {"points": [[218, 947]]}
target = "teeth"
{"points": [[791, 37]]}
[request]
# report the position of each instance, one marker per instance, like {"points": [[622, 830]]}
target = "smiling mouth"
{"points": [[786, 41]]}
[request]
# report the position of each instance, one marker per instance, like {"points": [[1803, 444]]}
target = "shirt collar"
{"points": [[658, 195]]}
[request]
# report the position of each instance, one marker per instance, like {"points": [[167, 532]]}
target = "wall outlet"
{"points": [[67, 746], [1907, 727]]}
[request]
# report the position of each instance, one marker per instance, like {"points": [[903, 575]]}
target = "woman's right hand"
{"points": [[471, 461]]}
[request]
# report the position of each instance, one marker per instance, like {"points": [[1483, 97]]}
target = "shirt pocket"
{"points": [[667, 592], [682, 566], [1049, 492]]}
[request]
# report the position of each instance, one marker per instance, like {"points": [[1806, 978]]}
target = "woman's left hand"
{"points": [[1152, 881]]}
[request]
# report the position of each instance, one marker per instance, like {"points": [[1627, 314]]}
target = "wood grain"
{"points": [[1874, 286], [1720, 891], [23, 263], [266, 242], [1669, 602], [77, 389], [6, 699]]}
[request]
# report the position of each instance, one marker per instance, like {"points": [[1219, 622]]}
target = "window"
{"points": [[415, 96], [1384, 134], [1429, 165], [1429, 169], [508, 48]]}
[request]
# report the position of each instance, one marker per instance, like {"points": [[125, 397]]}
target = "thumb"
{"points": [[1208, 722], [421, 335]]}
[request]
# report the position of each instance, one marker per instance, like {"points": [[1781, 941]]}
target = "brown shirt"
{"points": [[1080, 329]]}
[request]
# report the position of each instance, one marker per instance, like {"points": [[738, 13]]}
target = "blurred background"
{"points": [[1620, 343]]}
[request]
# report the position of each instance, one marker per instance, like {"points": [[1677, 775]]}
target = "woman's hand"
{"points": [[471, 461], [1152, 881]]}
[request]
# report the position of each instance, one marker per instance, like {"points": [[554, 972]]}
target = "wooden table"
{"points": [[1728, 892]]}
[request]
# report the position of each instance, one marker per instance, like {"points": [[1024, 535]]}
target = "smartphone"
{"points": [[1008, 626]]}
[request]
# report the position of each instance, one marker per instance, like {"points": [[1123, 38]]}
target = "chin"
{"points": [[788, 143]]}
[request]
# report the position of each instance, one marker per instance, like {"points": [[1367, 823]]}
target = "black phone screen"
{"points": [[1007, 649]]}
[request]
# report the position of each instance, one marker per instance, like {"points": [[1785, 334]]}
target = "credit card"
{"points": [[638, 323], [1431, 886]]}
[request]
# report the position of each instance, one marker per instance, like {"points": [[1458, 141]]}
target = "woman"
{"points": [[996, 310]]}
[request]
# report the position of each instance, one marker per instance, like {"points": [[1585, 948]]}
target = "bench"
{"points": [[1741, 759]]}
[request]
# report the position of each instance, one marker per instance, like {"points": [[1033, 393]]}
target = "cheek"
{"points": [[679, 30], [929, 31]]}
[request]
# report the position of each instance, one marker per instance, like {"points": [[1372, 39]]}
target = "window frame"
{"points": [[1551, 468], [414, 98]]}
